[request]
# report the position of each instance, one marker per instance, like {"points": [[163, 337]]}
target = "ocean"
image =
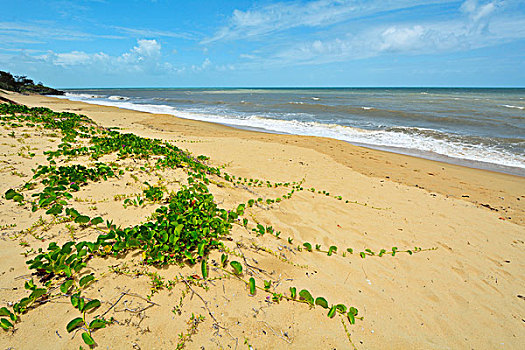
{"points": [[482, 128]]}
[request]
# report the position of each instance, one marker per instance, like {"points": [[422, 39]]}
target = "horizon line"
{"points": [[294, 87]]}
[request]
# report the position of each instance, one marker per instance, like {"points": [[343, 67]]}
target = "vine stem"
{"points": [[348, 334]]}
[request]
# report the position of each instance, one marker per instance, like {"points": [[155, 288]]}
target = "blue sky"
{"points": [[110, 43]]}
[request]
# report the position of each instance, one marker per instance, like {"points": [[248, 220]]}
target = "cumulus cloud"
{"points": [[146, 56], [147, 48], [205, 64]]}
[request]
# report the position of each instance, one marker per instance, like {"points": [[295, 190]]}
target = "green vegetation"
{"points": [[22, 84], [186, 227]]}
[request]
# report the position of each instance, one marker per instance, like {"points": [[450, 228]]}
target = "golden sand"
{"points": [[464, 295]]}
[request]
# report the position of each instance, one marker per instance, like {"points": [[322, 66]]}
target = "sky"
{"points": [[217, 43]]}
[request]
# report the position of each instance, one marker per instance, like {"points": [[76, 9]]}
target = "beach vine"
{"points": [[184, 229]]}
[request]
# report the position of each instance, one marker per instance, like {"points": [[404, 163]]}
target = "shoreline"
{"points": [[469, 161], [495, 191], [466, 279]]}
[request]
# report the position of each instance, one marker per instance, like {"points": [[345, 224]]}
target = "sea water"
{"points": [[482, 128]]}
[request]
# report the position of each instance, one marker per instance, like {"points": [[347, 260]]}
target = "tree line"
{"points": [[22, 84]]}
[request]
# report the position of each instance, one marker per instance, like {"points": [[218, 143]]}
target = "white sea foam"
{"points": [[315, 98], [511, 106], [82, 96], [118, 98], [419, 142], [367, 108]]}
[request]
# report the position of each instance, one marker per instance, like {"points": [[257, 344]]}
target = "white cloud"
{"points": [[286, 15], [477, 11], [155, 33], [146, 56], [72, 58], [401, 38], [475, 25], [205, 64], [43, 32], [146, 48]]}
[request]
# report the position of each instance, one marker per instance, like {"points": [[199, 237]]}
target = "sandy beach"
{"points": [[465, 292]]}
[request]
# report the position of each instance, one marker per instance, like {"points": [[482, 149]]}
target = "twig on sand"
{"points": [[115, 303], [285, 338], [150, 303], [248, 266], [216, 322]]}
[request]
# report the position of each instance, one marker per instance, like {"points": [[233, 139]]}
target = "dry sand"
{"points": [[464, 295]]}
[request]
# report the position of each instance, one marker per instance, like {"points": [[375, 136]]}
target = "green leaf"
{"points": [[81, 303], [97, 324], [240, 209], [97, 220], [200, 248], [64, 288], [237, 267], [37, 293], [224, 259], [332, 311], [85, 280], [5, 324], [10, 194], [29, 285], [75, 298], [72, 212], [87, 339], [341, 308], [308, 246], [351, 317], [82, 219], [332, 249], [353, 311], [55, 210], [362, 254], [321, 302], [93, 304], [293, 292], [350, 250], [5, 312], [73, 324], [267, 285], [178, 229], [394, 250], [252, 286], [305, 295], [204, 269]]}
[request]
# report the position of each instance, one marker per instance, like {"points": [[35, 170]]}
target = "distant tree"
{"points": [[21, 83], [7, 81]]}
